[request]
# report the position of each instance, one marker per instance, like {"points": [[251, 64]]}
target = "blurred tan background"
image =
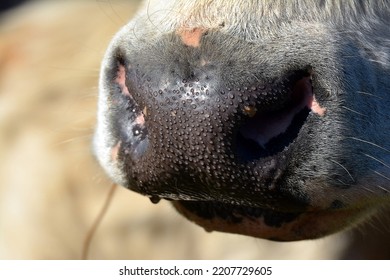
{"points": [[51, 188]]}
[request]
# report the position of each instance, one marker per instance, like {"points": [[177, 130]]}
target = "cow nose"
{"points": [[186, 132]]}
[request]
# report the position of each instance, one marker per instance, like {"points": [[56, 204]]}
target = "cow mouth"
{"points": [[266, 223], [267, 133], [235, 214]]}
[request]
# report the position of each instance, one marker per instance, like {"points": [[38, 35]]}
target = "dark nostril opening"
{"points": [[265, 134], [128, 118], [248, 149]]}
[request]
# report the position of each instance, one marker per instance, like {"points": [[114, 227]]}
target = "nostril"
{"points": [[128, 124], [265, 133]]}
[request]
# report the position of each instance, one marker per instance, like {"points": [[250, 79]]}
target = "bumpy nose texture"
{"points": [[180, 125], [191, 122]]}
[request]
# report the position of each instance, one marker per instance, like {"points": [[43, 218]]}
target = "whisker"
{"points": [[113, 18], [97, 222], [382, 188], [378, 160], [70, 140], [67, 69], [369, 190], [380, 174], [370, 143], [343, 167], [341, 182], [353, 111], [369, 94]]}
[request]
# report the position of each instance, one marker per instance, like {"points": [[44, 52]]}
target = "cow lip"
{"points": [[271, 224], [234, 212], [218, 216]]}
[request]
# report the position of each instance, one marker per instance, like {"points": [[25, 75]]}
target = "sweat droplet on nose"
{"points": [[155, 199]]}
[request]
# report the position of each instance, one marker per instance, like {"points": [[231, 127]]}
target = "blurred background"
{"points": [[51, 187]]}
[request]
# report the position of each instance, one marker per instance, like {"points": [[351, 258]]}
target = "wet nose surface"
{"points": [[187, 133]]}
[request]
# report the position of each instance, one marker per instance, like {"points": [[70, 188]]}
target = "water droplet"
{"points": [[155, 199]]}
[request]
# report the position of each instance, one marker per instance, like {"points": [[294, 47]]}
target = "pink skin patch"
{"points": [[191, 37], [121, 80], [115, 151], [304, 87], [140, 120], [316, 108]]}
